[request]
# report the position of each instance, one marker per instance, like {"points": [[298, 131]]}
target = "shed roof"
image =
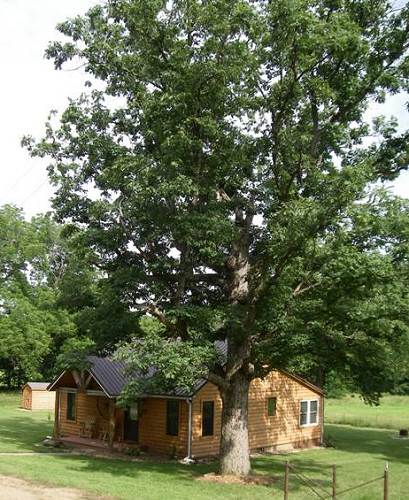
{"points": [[37, 386]]}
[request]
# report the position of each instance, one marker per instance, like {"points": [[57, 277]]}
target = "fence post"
{"points": [[334, 482], [287, 470], [385, 482]]}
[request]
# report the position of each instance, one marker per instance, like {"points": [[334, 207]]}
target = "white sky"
{"points": [[30, 88]]}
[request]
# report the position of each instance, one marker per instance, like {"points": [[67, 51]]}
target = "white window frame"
{"points": [[308, 423]]}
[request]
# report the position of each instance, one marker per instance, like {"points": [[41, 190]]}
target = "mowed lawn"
{"points": [[392, 413], [359, 453]]}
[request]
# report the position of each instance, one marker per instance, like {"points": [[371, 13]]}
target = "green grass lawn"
{"points": [[359, 453], [392, 413]]}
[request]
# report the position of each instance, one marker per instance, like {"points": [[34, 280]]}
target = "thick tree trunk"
{"points": [[234, 446]]}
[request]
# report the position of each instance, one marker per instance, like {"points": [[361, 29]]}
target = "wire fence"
{"points": [[322, 493]]}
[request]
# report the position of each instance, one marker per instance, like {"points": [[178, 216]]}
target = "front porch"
{"points": [[87, 414], [91, 419]]}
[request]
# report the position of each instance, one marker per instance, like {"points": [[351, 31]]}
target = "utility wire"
{"points": [[35, 191], [19, 179]]}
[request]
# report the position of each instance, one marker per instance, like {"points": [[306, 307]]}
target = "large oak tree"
{"points": [[219, 147]]}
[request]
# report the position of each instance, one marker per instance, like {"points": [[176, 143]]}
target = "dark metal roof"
{"points": [[221, 349], [109, 374], [112, 378]]}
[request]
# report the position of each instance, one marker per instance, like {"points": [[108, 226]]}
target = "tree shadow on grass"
{"points": [[131, 468], [23, 432], [183, 478]]}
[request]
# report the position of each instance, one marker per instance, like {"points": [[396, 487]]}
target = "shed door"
{"points": [[131, 428], [27, 399]]}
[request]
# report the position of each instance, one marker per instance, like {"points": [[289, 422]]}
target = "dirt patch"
{"points": [[255, 479], [18, 489]]}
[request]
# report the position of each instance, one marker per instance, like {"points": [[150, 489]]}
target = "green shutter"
{"points": [[271, 407]]}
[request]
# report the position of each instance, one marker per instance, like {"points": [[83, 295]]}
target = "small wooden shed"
{"points": [[34, 396]]}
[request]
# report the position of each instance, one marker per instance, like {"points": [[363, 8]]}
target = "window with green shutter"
{"points": [[271, 407]]}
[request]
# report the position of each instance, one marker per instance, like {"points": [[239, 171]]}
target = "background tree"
{"points": [[51, 291], [226, 142], [352, 325], [92, 297], [32, 325]]}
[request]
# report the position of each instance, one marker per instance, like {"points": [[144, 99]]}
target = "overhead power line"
{"points": [[17, 181], [35, 191]]}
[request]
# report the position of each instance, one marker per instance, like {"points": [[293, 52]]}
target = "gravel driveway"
{"points": [[18, 489]]}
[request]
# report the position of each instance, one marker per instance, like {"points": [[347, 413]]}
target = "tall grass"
{"points": [[392, 413]]}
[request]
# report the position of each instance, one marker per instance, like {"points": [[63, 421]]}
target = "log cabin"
{"points": [[34, 396], [285, 412]]}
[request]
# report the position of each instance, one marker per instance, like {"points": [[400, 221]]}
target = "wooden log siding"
{"points": [[203, 446], [265, 432], [276, 432], [282, 430], [152, 422], [152, 428]]}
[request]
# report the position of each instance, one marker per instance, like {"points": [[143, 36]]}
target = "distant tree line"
{"points": [[51, 295]]}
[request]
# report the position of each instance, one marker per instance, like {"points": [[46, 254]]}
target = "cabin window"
{"points": [[309, 412], [172, 417], [70, 406], [271, 407], [208, 418]]}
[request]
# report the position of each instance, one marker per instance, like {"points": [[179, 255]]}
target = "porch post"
{"points": [[322, 415], [111, 424], [189, 438], [56, 430]]}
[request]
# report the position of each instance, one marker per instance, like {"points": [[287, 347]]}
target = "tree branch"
{"points": [[217, 380], [153, 309], [300, 290]]}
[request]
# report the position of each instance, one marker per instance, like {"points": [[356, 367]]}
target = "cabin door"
{"points": [[131, 427]]}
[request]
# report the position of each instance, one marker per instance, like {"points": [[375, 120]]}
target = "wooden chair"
{"points": [[87, 428], [104, 431]]}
